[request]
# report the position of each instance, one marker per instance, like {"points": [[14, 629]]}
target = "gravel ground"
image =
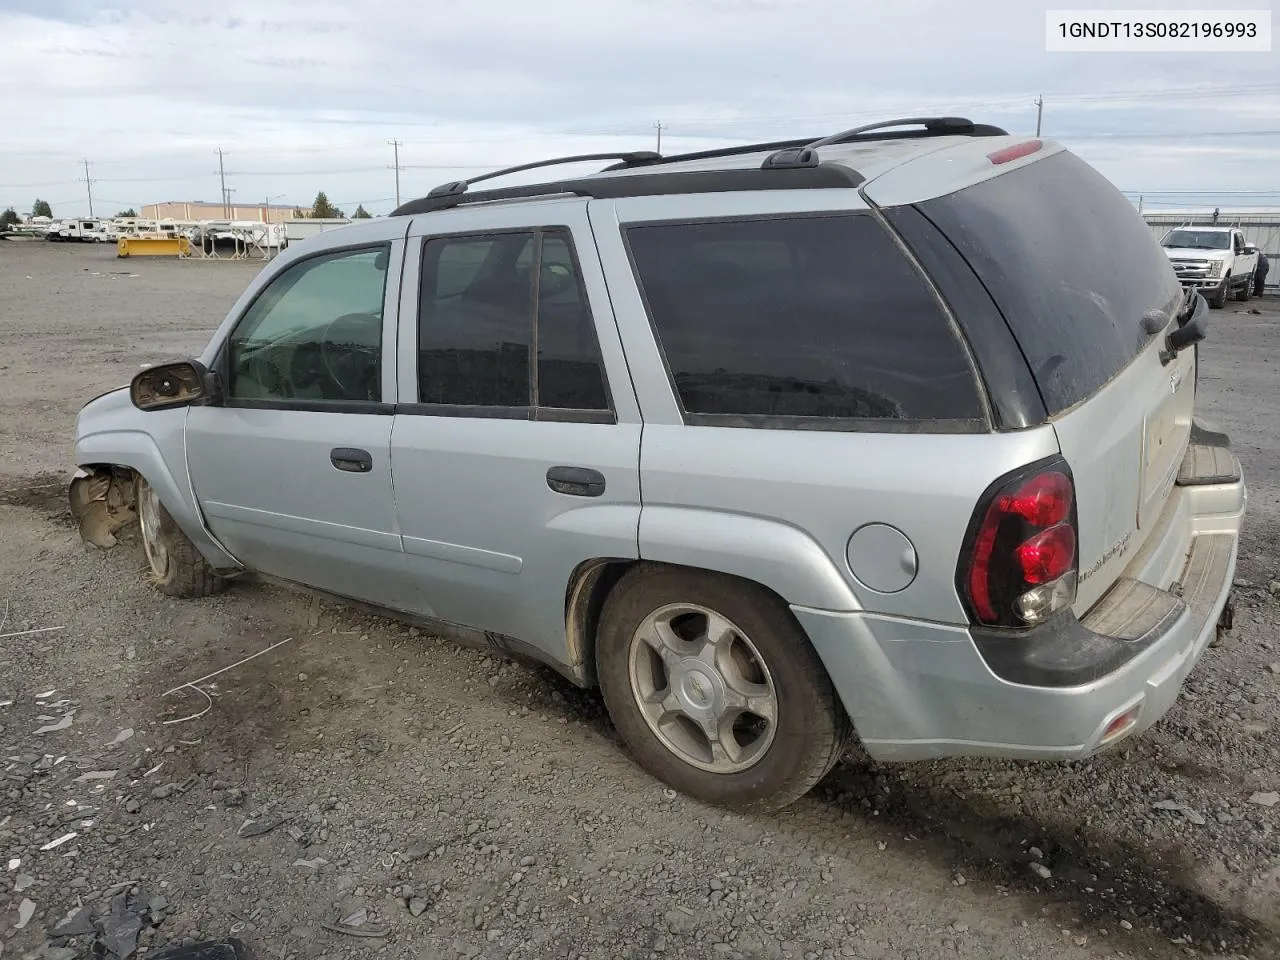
{"points": [[365, 789]]}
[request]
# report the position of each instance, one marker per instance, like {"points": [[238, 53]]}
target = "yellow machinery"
{"points": [[153, 247]]}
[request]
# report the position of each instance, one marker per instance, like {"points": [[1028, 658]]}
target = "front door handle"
{"points": [[576, 481], [351, 459]]}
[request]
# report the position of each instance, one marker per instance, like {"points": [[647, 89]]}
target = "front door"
{"points": [[517, 440], [292, 469]]}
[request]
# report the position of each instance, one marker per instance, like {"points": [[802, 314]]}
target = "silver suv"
{"points": [[888, 434]]}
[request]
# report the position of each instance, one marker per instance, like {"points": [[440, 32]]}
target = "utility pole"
{"points": [[395, 146], [1140, 203], [1039, 112], [222, 179], [88, 186], [658, 125]]}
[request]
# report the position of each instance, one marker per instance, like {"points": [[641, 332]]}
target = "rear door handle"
{"points": [[576, 481], [351, 459]]}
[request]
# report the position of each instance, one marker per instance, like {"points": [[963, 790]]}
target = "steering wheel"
{"points": [[348, 327]]}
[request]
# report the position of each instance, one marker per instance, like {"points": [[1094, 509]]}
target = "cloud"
{"points": [[303, 95]]}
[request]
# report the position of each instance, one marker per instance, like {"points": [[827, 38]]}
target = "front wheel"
{"points": [[715, 688], [1246, 290], [1218, 299], [174, 565]]}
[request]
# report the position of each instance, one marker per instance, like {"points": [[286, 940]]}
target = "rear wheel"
{"points": [[174, 565], [715, 688]]}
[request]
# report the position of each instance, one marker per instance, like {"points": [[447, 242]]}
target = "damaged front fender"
{"points": [[103, 503]]}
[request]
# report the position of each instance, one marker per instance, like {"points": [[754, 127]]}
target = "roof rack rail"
{"points": [[797, 155], [635, 158], [645, 183]]}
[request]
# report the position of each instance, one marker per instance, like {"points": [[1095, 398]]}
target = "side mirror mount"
{"points": [[1191, 330], [177, 384]]}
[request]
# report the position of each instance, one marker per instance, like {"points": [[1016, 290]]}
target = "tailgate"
{"points": [[1125, 446], [1089, 297]]}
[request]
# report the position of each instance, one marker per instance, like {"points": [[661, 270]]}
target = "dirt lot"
{"points": [[463, 807]]}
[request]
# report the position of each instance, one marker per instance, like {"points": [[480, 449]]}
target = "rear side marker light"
{"points": [[1021, 561], [1121, 725], [1015, 152]]}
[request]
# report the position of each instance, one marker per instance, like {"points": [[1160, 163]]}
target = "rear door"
{"points": [[1075, 271], [516, 442]]}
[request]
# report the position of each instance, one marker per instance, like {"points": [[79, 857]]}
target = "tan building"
{"points": [[199, 210]]}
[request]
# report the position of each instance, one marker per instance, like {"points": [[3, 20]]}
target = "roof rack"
{"points": [[794, 155], [632, 159], [657, 183]]}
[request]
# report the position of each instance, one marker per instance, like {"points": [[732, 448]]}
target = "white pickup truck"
{"points": [[1215, 260]]}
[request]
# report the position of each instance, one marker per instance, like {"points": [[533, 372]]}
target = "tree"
{"points": [[41, 208], [362, 214], [127, 213], [299, 213], [9, 218], [323, 209]]}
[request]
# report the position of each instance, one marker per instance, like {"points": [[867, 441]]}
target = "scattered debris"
{"points": [[228, 949], [1265, 799], [313, 864], [54, 844], [256, 828], [122, 736], [96, 775], [27, 633], [1176, 807], [1041, 871], [118, 930], [26, 910], [24, 881], [195, 684], [373, 932], [59, 725], [77, 922], [14, 864], [417, 906], [372, 744], [357, 919]]}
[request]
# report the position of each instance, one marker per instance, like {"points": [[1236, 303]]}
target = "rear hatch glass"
{"points": [[1074, 269], [1070, 263]]}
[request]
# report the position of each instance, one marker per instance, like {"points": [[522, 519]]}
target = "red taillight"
{"points": [[1048, 555], [1020, 565], [1014, 152]]}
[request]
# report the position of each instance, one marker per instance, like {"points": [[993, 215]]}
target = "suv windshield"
{"points": [[1071, 265], [1198, 239]]}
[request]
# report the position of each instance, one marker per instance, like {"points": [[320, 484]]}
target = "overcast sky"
{"points": [[303, 95]]}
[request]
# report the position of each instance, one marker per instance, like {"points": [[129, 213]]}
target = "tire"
{"points": [[174, 566], [1246, 290], [1218, 299], [766, 654]]}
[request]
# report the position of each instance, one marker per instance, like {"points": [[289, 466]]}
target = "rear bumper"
{"points": [[922, 690]]}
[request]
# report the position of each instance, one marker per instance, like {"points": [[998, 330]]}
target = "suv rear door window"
{"points": [[801, 322], [481, 318], [1071, 264]]}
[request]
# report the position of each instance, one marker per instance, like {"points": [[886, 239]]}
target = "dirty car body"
{"points": [[894, 437]]}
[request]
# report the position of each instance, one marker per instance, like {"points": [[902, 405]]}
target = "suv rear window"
{"points": [[800, 322], [1071, 264]]}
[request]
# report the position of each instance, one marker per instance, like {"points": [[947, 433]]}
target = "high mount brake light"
{"points": [[1020, 564], [1015, 152]]}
